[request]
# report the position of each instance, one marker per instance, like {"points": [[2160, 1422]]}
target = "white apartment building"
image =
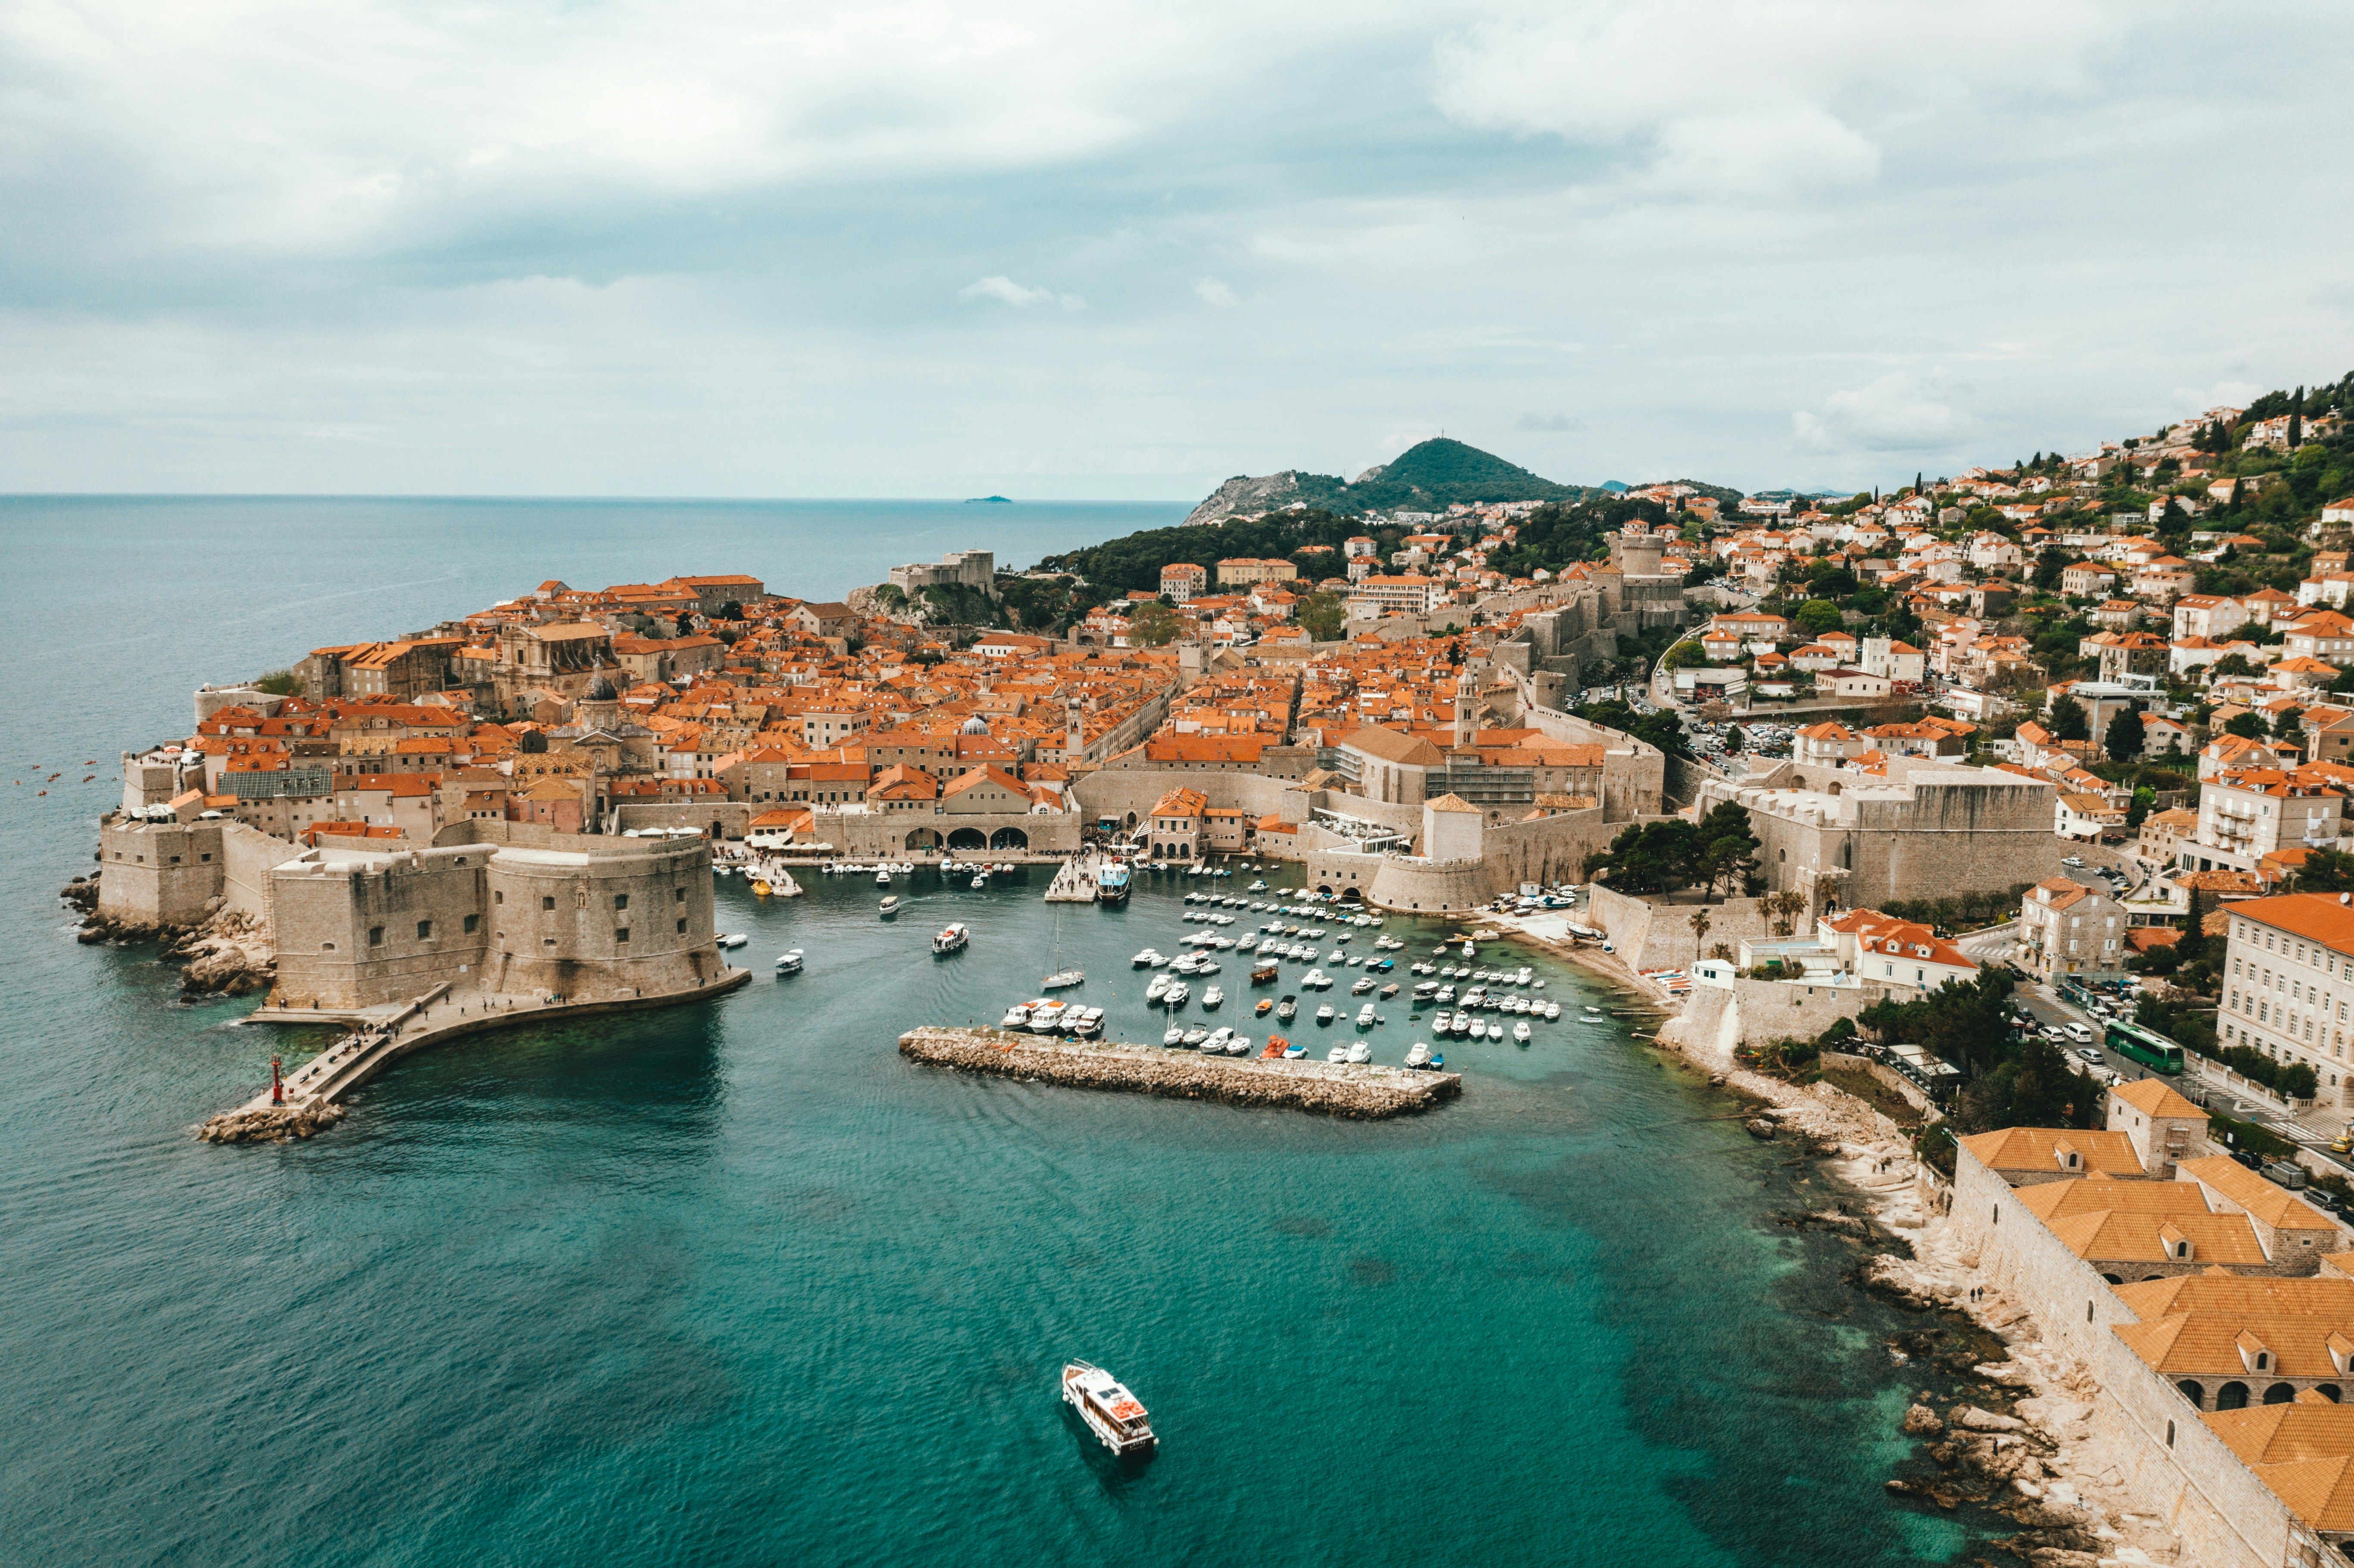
{"points": [[2245, 816], [2288, 979], [1412, 593], [2207, 615]]}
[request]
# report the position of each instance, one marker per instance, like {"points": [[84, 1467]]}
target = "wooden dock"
{"points": [[1334, 1089]]}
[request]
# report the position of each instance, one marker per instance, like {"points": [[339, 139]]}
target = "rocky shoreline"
{"points": [[2015, 1432], [274, 1124], [226, 954]]}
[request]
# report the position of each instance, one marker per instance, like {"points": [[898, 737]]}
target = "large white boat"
{"points": [[733, 939], [952, 938], [889, 905], [1110, 1412], [1044, 1017], [1063, 979], [790, 962]]}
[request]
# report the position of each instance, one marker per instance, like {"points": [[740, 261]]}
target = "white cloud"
{"points": [[1006, 291], [1755, 98], [1213, 291], [1897, 413], [1548, 422]]}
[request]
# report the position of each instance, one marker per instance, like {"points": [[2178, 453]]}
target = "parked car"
{"points": [[2253, 1161], [2287, 1172], [2072, 861], [2086, 1054]]}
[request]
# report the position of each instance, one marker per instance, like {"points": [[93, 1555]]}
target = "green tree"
{"points": [[280, 684], [1818, 616], [2067, 720], [2124, 740], [1323, 614], [1685, 652], [1649, 857], [1152, 624], [2326, 871], [2246, 723], [1725, 852], [2285, 724]]}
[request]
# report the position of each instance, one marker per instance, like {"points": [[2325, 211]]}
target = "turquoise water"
{"points": [[735, 1284]]}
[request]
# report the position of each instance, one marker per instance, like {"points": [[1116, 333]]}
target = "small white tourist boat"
{"points": [[790, 962], [952, 938], [1110, 1412], [1016, 1017], [1044, 1017], [889, 905]]}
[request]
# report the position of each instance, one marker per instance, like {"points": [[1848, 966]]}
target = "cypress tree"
{"points": [[2296, 419]]}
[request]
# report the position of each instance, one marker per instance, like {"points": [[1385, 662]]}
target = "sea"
{"points": [[737, 1284]]}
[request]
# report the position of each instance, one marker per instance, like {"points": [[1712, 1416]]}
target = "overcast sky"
{"points": [[1112, 250]]}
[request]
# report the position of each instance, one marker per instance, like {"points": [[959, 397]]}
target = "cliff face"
{"points": [[1244, 493]]}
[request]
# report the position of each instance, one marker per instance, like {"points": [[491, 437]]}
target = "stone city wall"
{"points": [[2019, 1254], [889, 833], [729, 817], [158, 873]]}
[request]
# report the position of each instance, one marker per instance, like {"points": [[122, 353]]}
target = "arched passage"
{"points": [[2330, 1391], [967, 839], [1325, 890], [1131, 819], [1009, 838], [2231, 1397], [924, 838], [2195, 1392], [2114, 1278], [2279, 1393]]}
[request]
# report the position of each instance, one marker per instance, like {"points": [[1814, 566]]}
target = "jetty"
{"points": [[1335, 1088], [1074, 882], [306, 1100]]}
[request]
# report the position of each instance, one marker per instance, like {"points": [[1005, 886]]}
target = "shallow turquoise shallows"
{"points": [[737, 1285]]}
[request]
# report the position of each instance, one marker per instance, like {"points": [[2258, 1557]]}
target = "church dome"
{"points": [[600, 690], [974, 725]]}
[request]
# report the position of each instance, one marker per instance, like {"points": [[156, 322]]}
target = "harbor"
{"points": [[1335, 1088]]}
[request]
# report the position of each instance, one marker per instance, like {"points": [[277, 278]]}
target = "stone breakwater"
{"points": [[1333, 1089], [271, 1124]]}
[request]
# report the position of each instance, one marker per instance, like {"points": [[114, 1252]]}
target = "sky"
{"points": [[906, 247]]}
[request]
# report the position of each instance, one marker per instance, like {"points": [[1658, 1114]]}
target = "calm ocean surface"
{"points": [[735, 1285]]}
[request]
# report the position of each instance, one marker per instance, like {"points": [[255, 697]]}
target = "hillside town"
{"points": [[2024, 789]]}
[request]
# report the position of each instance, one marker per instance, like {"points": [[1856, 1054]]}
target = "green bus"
{"points": [[2151, 1050]]}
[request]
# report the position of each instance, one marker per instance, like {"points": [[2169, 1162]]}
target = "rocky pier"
{"points": [[1364, 1091]]}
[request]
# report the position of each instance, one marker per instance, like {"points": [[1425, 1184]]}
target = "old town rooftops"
{"points": [[2047, 1149], [2301, 1449], [2315, 917], [2152, 1098], [2218, 1289], [2226, 1178], [2227, 1344]]}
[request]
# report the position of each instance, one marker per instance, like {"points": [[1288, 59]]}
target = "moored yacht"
{"points": [[1417, 1055], [1360, 1052], [1016, 1017]]}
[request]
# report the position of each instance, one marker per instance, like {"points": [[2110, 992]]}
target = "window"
{"points": [[547, 903], [376, 935], [681, 926], [620, 933], [678, 895], [425, 930], [621, 901], [498, 898], [473, 924]]}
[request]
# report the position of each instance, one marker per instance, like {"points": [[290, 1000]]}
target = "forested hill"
{"points": [[1429, 476], [1554, 536]]}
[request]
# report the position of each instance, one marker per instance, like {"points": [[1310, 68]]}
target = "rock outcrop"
{"points": [[274, 1124]]}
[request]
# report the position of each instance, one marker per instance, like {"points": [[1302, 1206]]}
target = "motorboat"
{"points": [[1109, 1411], [1213, 997], [1441, 1022], [1360, 1052], [733, 939], [1315, 979], [1365, 1016], [1364, 983], [1044, 1017], [1288, 1009], [1195, 1035], [1216, 1044], [1521, 1031], [1159, 988], [889, 905], [981, 879], [882, 876], [761, 887], [1338, 1054], [1063, 980], [1425, 990], [1417, 1055], [790, 962], [952, 938], [1263, 973], [1324, 1014], [1553, 1011], [1088, 1024], [1174, 1037], [1176, 994], [1258, 888], [1150, 958], [1239, 1045], [1265, 1005]]}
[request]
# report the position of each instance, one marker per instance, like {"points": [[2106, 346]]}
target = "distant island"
{"points": [[987, 501], [1429, 476]]}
